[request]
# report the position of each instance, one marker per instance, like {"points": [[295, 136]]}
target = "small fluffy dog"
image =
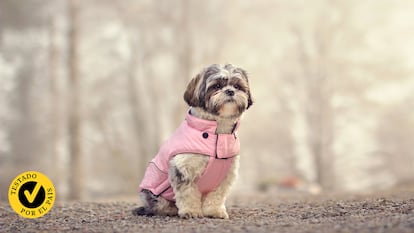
{"points": [[192, 173]]}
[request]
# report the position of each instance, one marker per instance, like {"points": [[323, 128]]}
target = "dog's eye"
{"points": [[217, 86], [237, 86]]}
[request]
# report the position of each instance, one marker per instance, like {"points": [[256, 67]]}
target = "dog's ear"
{"points": [[249, 99], [192, 93]]}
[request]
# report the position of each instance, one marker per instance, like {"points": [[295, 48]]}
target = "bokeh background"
{"points": [[90, 89]]}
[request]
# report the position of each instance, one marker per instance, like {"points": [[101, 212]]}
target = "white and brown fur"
{"points": [[219, 93]]}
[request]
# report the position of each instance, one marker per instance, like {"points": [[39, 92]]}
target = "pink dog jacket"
{"points": [[196, 136]]}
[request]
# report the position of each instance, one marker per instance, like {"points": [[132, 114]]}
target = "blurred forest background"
{"points": [[90, 89]]}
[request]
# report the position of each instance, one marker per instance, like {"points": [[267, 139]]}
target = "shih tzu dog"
{"points": [[193, 171]]}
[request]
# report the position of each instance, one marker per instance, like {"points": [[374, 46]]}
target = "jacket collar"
{"points": [[205, 125]]}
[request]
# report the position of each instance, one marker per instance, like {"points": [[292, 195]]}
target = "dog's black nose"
{"points": [[229, 92]]}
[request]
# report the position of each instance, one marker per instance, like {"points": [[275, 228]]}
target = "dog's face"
{"points": [[220, 90]]}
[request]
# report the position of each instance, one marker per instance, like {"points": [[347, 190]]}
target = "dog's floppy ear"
{"points": [[249, 99], [192, 93]]}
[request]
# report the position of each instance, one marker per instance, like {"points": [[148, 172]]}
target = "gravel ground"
{"points": [[254, 213]]}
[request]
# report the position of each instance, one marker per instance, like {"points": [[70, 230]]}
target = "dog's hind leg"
{"points": [[154, 205]]}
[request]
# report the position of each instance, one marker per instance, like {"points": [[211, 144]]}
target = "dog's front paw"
{"points": [[216, 212], [190, 214]]}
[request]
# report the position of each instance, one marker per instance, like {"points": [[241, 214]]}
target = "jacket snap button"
{"points": [[205, 135]]}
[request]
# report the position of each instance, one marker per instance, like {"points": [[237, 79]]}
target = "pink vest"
{"points": [[196, 136]]}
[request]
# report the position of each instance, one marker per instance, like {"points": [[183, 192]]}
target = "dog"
{"points": [[193, 172]]}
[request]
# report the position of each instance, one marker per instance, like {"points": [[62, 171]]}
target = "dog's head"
{"points": [[220, 90]]}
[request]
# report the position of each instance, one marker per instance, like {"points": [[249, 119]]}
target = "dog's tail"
{"points": [[142, 211]]}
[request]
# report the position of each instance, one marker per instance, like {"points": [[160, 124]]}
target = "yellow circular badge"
{"points": [[31, 194]]}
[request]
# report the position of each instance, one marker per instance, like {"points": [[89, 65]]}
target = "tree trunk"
{"points": [[74, 124]]}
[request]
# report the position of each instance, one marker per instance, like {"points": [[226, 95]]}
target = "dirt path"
{"points": [[392, 213]]}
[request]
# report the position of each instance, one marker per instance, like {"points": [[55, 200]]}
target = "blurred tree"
{"points": [[74, 120], [315, 82]]}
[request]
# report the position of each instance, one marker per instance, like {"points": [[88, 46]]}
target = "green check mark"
{"points": [[31, 196]]}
